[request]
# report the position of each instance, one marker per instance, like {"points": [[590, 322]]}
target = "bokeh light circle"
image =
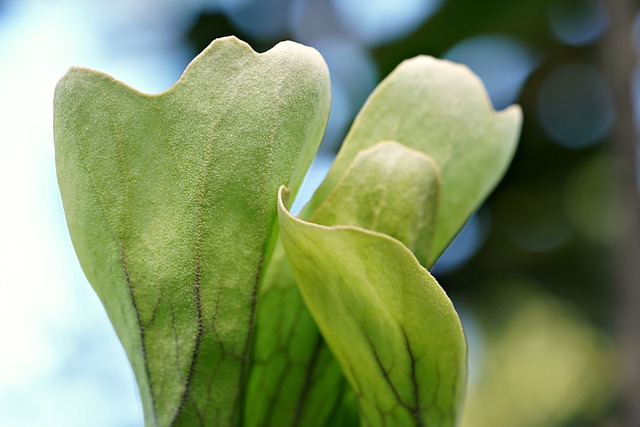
{"points": [[575, 106]]}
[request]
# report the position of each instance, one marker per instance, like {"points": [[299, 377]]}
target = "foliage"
{"points": [[173, 207]]}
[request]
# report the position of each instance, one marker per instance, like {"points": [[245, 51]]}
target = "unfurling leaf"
{"points": [[389, 324], [295, 380], [441, 109]]}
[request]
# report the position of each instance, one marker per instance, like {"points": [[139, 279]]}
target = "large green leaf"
{"points": [[387, 321], [171, 204], [441, 109]]}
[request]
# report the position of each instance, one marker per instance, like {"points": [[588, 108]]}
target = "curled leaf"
{"points": [[390, 326]]}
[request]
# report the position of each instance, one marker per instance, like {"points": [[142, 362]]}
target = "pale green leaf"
{"points": [[171, 204], [389, 324], [441, 109], [295, 380], [388, 188]]}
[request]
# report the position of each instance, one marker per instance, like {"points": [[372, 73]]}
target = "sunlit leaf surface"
{"points": [[389, 324], [295, 380], [171, 201], [171, 205], [441, 109]]}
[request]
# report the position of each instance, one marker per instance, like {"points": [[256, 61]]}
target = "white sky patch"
{"points": [[61, 360], [34, 295]]}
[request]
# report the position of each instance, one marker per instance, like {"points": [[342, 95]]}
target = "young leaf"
{"points": [[295, 380], [387, 321], [441, 109], [388, 188], [171, 204], [438, 108]]}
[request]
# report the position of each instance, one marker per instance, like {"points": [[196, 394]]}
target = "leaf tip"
{"points": [[512, 112], [448, 72]]}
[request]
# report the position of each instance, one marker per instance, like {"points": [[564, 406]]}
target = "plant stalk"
{"points": [[619, 60]]}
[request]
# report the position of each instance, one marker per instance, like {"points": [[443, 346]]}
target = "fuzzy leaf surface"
{"points": [[441, 109], [295, 380], [171, 205], [389, 324]]}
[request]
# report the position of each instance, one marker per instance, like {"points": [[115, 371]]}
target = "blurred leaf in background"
{"points": [[539, 363]]}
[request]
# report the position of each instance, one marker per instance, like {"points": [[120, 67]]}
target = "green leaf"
{"points": [[441, 109], [388, 188], [295, 380], [437, 108], [389, 324], [171, 204]]}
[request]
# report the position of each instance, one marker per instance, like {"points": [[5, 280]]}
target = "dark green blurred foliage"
{"points": [[550, 225]]}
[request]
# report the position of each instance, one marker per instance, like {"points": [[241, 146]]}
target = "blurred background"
{"points": [[546, 275]]}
